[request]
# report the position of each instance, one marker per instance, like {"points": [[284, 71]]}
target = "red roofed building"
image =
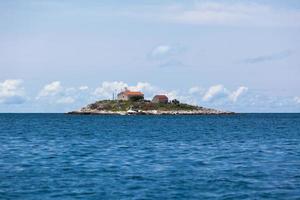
{"points": [[130, 95], [160, 99]]}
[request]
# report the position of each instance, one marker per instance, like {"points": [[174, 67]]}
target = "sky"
{"points": [[59, 55]]}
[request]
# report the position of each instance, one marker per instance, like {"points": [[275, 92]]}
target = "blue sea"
{"points": [[58, 156]]}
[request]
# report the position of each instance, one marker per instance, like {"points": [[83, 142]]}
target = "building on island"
{"points": [[160, 99], [130, 95]]}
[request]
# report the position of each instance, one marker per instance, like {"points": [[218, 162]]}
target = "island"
{"points": [[133, 103]]}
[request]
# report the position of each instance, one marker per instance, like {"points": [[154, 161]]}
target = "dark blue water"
{"points": [[57, 156]]}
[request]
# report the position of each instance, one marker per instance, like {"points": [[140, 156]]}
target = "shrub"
{"points": [[136, 98], [175, 101]]}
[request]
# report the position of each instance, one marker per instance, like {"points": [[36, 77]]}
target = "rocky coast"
{"points": [[143, 107]]}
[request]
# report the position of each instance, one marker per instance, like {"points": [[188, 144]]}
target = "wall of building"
{"points": [[158, 100], [122, 97]]}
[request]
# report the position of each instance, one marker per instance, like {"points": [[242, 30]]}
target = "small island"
{"points": [[133, 103]]}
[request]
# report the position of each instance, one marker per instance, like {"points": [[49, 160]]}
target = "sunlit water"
{"points": [[57, 156]]}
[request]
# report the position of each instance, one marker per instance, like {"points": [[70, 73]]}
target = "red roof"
{"points": [[161, 96], [132, 93]]}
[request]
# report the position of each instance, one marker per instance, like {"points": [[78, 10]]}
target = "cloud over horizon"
{"points": [[235, 94], [55, 93], [231, 14], [217, 92], [50, 89], [107, 89], [297, 100], [214, 92], [12, 92]]}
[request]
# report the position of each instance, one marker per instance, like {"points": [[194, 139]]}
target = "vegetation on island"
{"points": [[145, 105]]}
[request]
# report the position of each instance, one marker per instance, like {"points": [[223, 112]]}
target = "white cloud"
{"points": [[297, 100], [160, 51], [172, 94], [107, 89], [216, 96], [182, 97], [50, 89], [241, 14], [209, 12], [12, 92], [143, 86], [196, 90], [235, 94], [214, 92], [167, 56], [65, 100], [56, 93], [218, 92], [167, 52], [84, 87]]}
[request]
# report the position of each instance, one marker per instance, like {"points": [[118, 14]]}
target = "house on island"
{"points": [[160, 99], [130, 95]]}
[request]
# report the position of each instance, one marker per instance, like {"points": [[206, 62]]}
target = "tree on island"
{"points": [[136, 98], [175, 101]]}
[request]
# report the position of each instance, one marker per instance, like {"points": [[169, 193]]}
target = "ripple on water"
{"points": [[56, 156]]}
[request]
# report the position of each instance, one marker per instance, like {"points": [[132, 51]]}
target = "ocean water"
{"points": [[57, 156]]}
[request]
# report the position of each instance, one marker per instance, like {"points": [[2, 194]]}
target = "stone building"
{"points": [[160, 99], [130, 95]]}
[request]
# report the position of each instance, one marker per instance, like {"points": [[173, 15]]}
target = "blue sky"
{"points": [[57, 56]]}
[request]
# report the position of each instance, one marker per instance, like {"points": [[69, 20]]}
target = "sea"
{"points": [[59, 156]]}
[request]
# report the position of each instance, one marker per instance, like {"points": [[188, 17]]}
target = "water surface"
{"points": [[57, 156]]}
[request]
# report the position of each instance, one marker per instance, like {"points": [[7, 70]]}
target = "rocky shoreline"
{"points": [[119, 107], [151, 112]]}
